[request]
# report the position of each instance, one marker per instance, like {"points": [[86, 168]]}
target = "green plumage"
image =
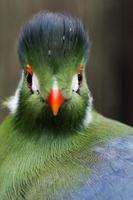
{"points": [[46, 157], [38, 165]]}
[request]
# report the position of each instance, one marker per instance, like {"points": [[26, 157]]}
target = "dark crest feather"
{"points": [[51, 37]]}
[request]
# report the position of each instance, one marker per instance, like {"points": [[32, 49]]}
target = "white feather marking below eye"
{"points": [[35, 83], [12, 103], [88, 115], [75, 84], [55, 83]]}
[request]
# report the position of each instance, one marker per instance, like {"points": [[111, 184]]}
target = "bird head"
{"points": [[53, 52]]}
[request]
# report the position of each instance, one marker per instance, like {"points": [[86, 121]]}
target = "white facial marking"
{"points": [[35, 83], [75, 84], [88, 115], [12, 103], [55, 84]]}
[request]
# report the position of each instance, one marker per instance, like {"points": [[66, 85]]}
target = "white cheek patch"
{"points": [[75, 84], [88, 118], [35, 83], [12, 103]]}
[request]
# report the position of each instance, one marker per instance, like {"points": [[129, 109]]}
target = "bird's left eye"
{"points": [[29, 70], [77, 80]]}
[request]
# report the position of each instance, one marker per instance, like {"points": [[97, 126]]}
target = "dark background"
{"points": [[110, 70]]}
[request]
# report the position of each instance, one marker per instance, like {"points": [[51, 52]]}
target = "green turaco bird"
{"points": [[53, 145]]}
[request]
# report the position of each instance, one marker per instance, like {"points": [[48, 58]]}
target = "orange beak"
{"points": [[55, 100]]}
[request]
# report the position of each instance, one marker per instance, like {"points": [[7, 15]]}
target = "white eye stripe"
{"points": [[55, 83], [35, 83], [75, 83]]}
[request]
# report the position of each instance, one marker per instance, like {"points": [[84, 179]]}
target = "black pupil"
{"points": [[79, 77], [29, 78]]}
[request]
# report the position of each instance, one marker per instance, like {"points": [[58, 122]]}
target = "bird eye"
{"points": [[29, 74], [77, 80], [80, 77], [32, 80]]}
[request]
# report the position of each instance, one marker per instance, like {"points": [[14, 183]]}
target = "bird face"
{"points": [[54, 99], [53, 50], [54, 89]]}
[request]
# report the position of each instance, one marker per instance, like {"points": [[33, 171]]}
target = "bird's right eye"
{"points": [[29, 74]]}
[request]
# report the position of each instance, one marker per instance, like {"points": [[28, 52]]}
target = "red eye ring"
{"points": [[29, 70], [80, 69], [79, 72]]}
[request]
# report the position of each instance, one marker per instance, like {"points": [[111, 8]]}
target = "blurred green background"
{"points": [[110, 69]]}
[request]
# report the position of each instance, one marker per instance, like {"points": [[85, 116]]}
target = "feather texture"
{"points": [[74, 166]]}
